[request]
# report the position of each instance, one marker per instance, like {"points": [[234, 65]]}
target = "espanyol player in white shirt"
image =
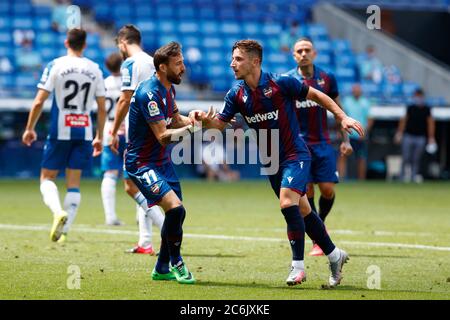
{"points": [[76, 83], [111, 163], [138, 66]]}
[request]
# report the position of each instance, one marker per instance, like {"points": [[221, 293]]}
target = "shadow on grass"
{"points": [[217, 255], [380, 256]]}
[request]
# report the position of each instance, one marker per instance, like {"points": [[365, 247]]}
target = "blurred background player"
{"points": [[262, 93], [358, 107], [312, 118], [112, 164], [136, 67], [415, 130], [154, 123], [214, 166], [76, 82]]}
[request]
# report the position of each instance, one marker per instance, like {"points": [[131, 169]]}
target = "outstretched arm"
{"points": [[346, 122], [209, 120], [167, 136], [29, 135]]}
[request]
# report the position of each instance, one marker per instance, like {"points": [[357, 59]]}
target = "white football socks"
{"points": [[156, 215], [108, 190], [334, 255], [147, 217], [71, 204], [298, 264], [49, 192], [145, 221]]}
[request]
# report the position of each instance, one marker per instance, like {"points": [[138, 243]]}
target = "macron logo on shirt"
{"points": [[259, 117]]}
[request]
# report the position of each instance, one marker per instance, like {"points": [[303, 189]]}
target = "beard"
{"points": [[173, 78]]}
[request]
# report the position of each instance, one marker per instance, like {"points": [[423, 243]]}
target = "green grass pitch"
{"points": [[235, 244]]}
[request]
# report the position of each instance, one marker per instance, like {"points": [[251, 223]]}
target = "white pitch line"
{"points": [[225, 237]]}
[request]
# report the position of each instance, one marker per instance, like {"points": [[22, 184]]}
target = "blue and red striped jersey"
{"points": [[270, 106], [151, 102], [311, 116]]}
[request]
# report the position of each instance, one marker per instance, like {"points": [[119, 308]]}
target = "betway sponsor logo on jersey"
{"points": [[77, 120], [306, 104], [259, 117]]}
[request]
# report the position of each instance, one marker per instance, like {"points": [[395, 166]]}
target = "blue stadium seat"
{"points": [[345, 60], [207, 12], [322, 45], [392, 90], [370, 88], [209, 27], [22, 9], [191, 41], [345, 74], [278, 58], [46, 39], [42, 11], [147, 27], [190, 27], [102, 12], [167, 26], [42, 24], [7, 81], [323, 59], [317, 31], [250, 29], [5, 23], [409, 87], [27, 80], [164, 11], [22, 22], [5, 8], [6, 37], [272, 29], [228, 28], [186, 12], [341, 45], [48, 54], [145, 12], [212, 42]]}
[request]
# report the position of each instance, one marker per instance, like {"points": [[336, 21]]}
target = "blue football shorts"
{"points": [[323, 164], [71, 154], [293, 175], [112, 161], [155, 181]]}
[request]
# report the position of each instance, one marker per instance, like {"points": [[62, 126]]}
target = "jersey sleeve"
{"points": [[293, 87], [47, 81], [334, 92], [229, 108], [129, 76], [151, 106]]}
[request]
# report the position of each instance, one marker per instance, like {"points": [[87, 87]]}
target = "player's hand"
{"points": [[113, 143], [98, 147], [209, 116], [28, 137], [349, 123], [398, 138], [196, 115], [346, 148]]}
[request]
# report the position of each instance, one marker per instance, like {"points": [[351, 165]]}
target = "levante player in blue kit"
{"points": [[312, 118], [267, 102], [154, 122]]}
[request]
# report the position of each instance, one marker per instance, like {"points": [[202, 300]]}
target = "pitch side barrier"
{"points": [[387, 112]]}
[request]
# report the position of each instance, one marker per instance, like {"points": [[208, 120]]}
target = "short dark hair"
{"points": [[250, 46], [163, 54], [304, 39], [76, 39], [113, 62], [130, 34], [419, 92]]}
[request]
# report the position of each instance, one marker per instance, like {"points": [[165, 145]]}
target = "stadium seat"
{"points": [[191, 27], [22, 22], [42, 24]]}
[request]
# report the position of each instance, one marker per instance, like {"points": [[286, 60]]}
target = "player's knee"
{"points": [[327, 193], [286, 203], [113, 174]]}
